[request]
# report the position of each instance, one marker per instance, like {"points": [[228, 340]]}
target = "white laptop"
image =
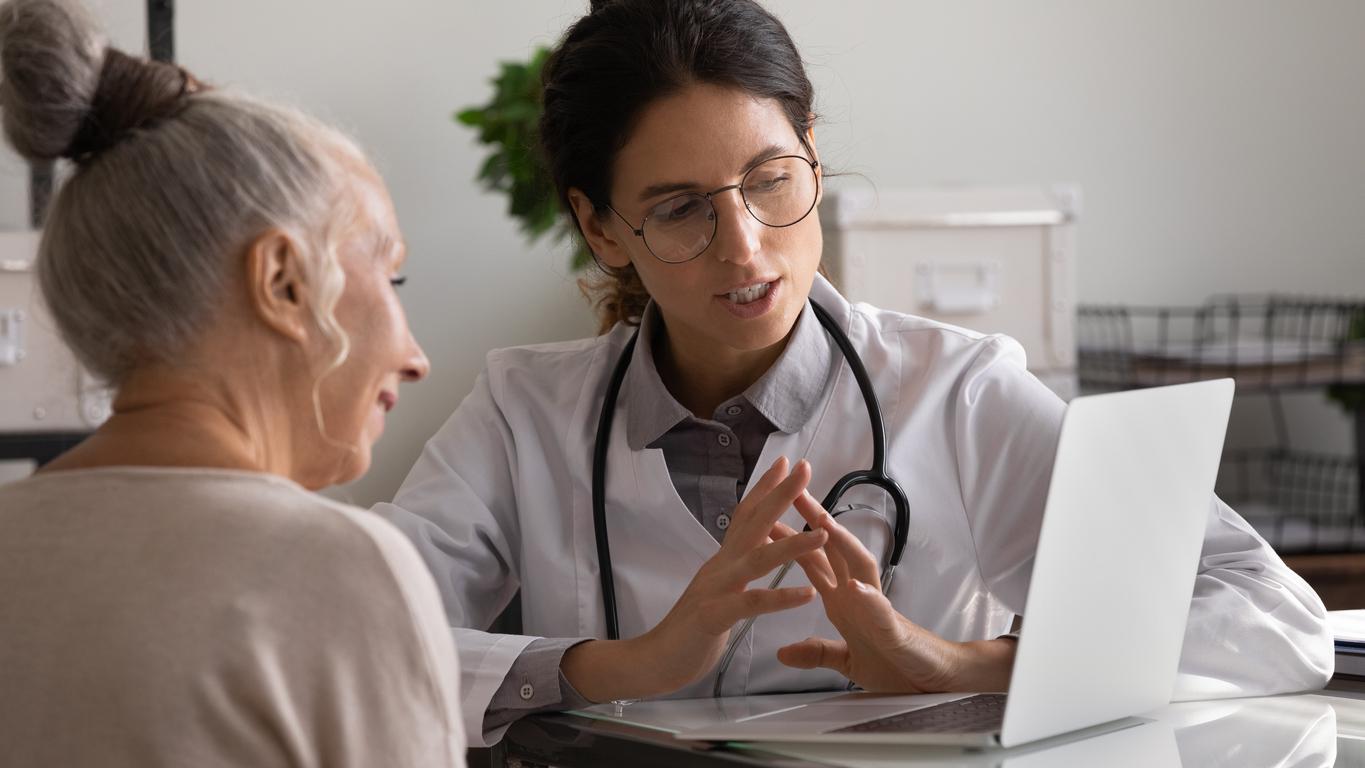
{"points": [[1110, 592]]}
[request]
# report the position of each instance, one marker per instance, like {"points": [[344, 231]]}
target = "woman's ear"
{"points": [[815, 155], [277, 292], [604, 245]]}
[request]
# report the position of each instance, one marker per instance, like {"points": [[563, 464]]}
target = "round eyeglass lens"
{"points": [[781, 191], [680, 227], [778, 192]]}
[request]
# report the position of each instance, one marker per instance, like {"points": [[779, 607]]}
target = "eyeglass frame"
{"points": [[640, 230]]}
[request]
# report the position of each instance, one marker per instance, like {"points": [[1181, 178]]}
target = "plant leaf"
{"points": [[509, 125]]}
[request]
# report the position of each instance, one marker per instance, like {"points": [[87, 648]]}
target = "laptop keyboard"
{"points": [[982, 713]]}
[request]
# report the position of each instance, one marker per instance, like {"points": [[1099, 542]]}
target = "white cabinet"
{"points": [[42, 388], [992, 259]]}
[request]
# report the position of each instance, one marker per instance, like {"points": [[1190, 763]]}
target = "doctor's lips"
{"points": [[749, 291], [751, 299]]}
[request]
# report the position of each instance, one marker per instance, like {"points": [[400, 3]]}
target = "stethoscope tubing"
{"points": [[599, 487], [876, 476]]}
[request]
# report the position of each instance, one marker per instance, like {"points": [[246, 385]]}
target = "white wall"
{"points": [[1220, 143]]}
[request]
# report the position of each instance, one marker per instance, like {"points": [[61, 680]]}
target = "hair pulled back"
{"points": [[624, 55]]}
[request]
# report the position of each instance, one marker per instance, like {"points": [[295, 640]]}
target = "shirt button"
{"points": [[527, 691], [723, 439], [723, 522], [734, 410]]}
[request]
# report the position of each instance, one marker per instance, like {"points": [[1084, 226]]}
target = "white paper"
{"points": [[1347, 625]]}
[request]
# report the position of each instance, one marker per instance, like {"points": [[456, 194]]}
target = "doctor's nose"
{"points": [[738, 235]]}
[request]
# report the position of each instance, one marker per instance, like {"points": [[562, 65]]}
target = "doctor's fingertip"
{"points": [[821, 515], [778, 467]]}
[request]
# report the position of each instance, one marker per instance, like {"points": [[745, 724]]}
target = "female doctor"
{"points": [[679, 135]]}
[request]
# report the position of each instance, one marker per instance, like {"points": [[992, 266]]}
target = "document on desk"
{"points": [[1347, 626], [678, 715], [1348, 630]]}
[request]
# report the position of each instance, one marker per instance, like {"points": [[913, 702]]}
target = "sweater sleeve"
{"points": [[351, 662]]}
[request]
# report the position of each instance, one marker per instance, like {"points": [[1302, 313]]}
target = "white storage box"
{"points": [[992, 259], [42, 388]]}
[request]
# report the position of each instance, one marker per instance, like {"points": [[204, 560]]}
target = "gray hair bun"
{"points": [[65, 94], [141, 246]]}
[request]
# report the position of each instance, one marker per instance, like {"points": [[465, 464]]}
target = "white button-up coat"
{"points": [[500, 501]]}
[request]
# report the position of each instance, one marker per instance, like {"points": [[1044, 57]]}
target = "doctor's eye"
{"points": [[678, 210], [768, 183], [398, 281]]}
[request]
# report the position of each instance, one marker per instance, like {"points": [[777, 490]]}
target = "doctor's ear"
{"points": [[815, 155], [277, 291], [601, 239]]}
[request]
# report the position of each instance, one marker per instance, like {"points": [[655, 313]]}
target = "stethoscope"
{"points": [[875, 476]]}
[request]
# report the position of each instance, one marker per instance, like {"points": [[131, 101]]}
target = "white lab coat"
{"points": [[500, 500]]}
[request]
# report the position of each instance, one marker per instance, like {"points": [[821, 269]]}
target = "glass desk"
{"points": [[1313, 729]]}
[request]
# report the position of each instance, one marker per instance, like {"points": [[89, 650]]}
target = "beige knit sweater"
{"points": [[174, 617]]}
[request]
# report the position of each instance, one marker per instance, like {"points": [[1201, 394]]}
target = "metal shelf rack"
{"points": [[1302, 502]]}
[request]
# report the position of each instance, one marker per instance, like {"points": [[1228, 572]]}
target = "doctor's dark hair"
{"points": [[623, 56], [171, 181]]}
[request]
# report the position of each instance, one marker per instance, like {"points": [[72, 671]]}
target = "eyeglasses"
{"points": [[779, 192]]}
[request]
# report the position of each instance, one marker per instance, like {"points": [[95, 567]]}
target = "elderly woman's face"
{"points": [[356, 396]]}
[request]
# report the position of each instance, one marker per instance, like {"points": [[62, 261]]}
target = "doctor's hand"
{"points": [[690, 640], [879, 649]]}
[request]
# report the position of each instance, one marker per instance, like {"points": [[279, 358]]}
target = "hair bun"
{"points": [[132, 93], [51, 55], [65, 94]]}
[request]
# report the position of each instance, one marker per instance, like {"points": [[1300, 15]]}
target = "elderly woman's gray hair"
{"points": [[171, 181]]}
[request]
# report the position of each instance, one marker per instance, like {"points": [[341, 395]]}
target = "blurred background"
{"points": [[1215, 147]]}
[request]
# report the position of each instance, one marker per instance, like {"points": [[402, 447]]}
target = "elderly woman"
{"points": [[172, 592]]}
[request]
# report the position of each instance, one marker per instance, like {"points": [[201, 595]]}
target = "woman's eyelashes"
{"points": [[398, 280]]}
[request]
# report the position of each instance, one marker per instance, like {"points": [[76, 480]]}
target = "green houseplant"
{"points": [[508, 125]]}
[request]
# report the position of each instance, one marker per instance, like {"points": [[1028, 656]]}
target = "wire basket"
{"points": [[1301, 502], [1264, 342]]}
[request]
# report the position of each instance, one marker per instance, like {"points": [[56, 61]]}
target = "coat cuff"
{"points": [[534, 683]]}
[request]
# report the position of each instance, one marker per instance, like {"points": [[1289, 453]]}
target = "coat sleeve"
{"points": [[1006, 425], [458, 507], [1255, 627]]}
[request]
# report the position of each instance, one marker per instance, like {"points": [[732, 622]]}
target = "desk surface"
{"points": [[1313, 729]]}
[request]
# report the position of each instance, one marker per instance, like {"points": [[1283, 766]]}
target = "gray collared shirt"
{"points": [[709, 461]]}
